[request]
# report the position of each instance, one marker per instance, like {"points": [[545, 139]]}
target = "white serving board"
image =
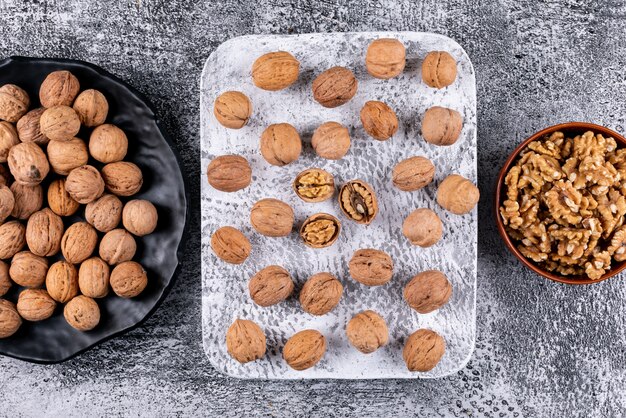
{"points": [[224, 286]]}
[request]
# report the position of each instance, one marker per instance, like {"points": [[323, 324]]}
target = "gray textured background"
{"points": [[542, 348]]}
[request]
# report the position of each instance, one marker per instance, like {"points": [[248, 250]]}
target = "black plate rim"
{"points": [[185, 235]]}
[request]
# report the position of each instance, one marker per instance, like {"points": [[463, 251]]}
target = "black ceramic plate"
{"points": [[53, 340]]}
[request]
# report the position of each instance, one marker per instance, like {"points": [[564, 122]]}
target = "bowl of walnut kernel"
{"points": [[561, 203]]}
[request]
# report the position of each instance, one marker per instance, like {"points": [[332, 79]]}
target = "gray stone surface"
{"points": [[542, 349]]}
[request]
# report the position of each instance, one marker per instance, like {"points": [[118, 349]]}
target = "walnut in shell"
{"points": [[231, 245], [78, 242], [5, 176], [8, 138], [320, 294], [304, 349], [5, 280], [314, 185], [93, 278], [28, 163], [422, 227], [423, 350], [331, 140], [82, 313], [44, 231], [59, 200], [84, 184], [59, 123], [280, 144], [35, 305], [28, 200], [413, 174], [245, 341], [28, 128], [14, 103], [367, 332], [371, 267], [7, 203], [335, 87], [320, 230], [62, 281], [441, 126], [128, 279], [108, 144], [272, 218], [358, 202], [59, 88], [12, 239], [379, 120], [122, 178], [229, 173], [270, 286], [140, 217], [104, 213], [64, 156], [117, 246], [10, 320], [28, 270], [457, 194], [91, 107], [275, 70], [385, 58], [232, 109], [438, 69], [428, 291]]}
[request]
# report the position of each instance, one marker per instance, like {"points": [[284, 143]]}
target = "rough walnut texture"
{"points": [[229, 173], [245, 341], [304, 349], [320, 294], [270, 286], [367, 331], [371, 267]]}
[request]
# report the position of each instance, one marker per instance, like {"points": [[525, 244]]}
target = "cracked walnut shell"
{"points": [[91, 107], [104, 213], [28, 163], [423, 350], [358, 202], [422, 227], [271, 285], [59, 123], [108, 144], [62, 281], [28, 270], [413, 174], [28, 128], [10, 320], [59, 200], [128, 279], [117, 246], [367, 332], [122, 178], [232, 109], [441, 126], [371, 267], [64, 156], [12, 239], [320, 230], [439, 69], [272, 218], [14, 103], [428, 291], [335, 87], [229, 173], [314, 185], [139, 217], [93, 278], [379, 120], [35, 305], [8, 139], [245, 341], [275, 70], [82, 313], [280, 144], [28, 200], [78, 242], [59, 88], [84, 184], [457, 194], [385, 58], [231, 245], [331, 140], [304, 349], [320, 294]]}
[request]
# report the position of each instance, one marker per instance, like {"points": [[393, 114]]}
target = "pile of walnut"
{"points": [[565, 204], [280, 145], [45, 251]]}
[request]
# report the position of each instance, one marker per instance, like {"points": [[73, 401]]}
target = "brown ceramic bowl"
{"points": [[572, 128]]}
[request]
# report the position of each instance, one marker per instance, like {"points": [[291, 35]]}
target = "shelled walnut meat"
{"points": [[439, 69], [371, 267], [428, 291], [314, 185], [275, 70], [304, 349], [331, 140], [335, 87], [280, 144], [232, 109], [245, 341], [379, 120], [385, 58], [231, 245], [413, 174], [367, 332], [423, 350], [270, 286], [320, 294], [422, 227], [272, 218], [229, 173], [320, 230], [358, 202]]}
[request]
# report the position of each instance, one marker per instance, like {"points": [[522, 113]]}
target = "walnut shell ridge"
{"points": [[423, 350], [371, 267], [367, 332], [335, 87], [128, 279], [320, 294], [428, 291], [304, 349], [231, 245], [62, 281], [44, 231], [245, 341], [271, 285], [82, 313], [59, 89], [35, 305], [28, 270], [229, 173], [275, 70], [10, 320]]}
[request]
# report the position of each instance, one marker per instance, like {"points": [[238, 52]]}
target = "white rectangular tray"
{"points": [[224, 286]]}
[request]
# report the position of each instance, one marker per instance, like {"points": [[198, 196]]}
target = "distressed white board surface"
{"points": [[224, 286]]}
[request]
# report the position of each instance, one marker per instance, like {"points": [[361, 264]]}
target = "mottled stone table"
{"points": [[542, 348]]}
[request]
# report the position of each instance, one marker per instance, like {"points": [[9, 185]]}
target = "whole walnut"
{"points": [[413, 174], [8, 138], [320, 294], [439, 69], [335, 87], [457, 194], [379, 120], [35, 305], [272, 218], [108, 144], [280, 144], [245, 341], [82, 313], [28, 163], [92, 108], [331, 140], [44, 231], [28, 270], [371, 267], [423, 350], [84, 184], [28, 200], [59, 123], [304, 349], [139, 217], [275, 70], [7, 203], [122, 178], [10, 320], [28, 128], [104, 213], [5, 176], [59, 88], [231, 245], [128, 279], [423, 227], [93, 278], [441, 126], [229, 173], [270, 286], [385, 58], [12, 239], [367, 332], [14, 103], [5, 280], [117, 246], [59, 200], [428, 291], [232, 109], [78, 242], [62, 281], [64, 156]]}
